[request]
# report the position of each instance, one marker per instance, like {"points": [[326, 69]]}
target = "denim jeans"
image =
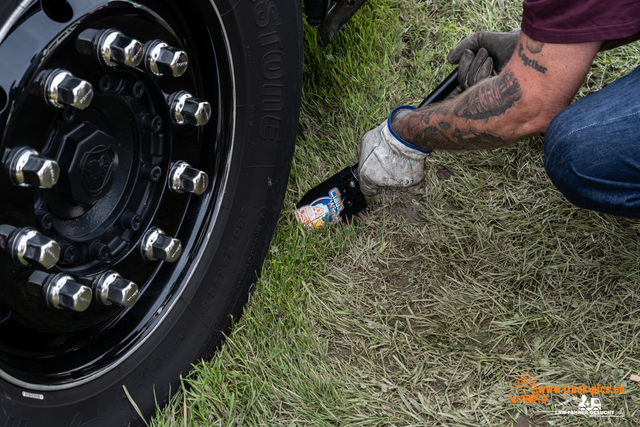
{"points": [[592, 149]]}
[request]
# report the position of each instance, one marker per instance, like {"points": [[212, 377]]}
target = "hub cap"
{"points": [[115, 153]]}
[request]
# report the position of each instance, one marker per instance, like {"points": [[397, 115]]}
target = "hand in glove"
{"points": [[499, 46], [385, 160], [478, 54]]}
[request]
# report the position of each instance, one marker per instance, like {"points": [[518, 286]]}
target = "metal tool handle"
{"points": [[443, 90]]}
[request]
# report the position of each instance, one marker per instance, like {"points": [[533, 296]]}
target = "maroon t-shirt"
{"points": [[579, 21]]}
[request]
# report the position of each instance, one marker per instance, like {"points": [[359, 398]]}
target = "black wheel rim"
{"points": [[127, 134]]}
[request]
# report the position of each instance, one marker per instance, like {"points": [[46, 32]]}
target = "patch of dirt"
{"points": [[443, 173], [340, 352], [404, 205], [523, 421], [402, 283]]}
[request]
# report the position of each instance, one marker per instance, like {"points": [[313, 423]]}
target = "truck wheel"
{"points": [[146, 148]]}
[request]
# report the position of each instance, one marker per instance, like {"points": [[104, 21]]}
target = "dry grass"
{"points": [[426, 308]]}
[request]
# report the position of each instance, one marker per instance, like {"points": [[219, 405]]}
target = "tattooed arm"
{"points": [[537, 83]]}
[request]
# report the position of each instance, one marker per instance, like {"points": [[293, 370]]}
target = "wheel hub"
{"points": [[91, 170], [113, 157]]}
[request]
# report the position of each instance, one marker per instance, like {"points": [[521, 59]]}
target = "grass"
{"points": [[427, 308]]}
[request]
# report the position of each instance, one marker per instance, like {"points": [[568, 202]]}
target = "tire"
{"points": [[63, 363]]}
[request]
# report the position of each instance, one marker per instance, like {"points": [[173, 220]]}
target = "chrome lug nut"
{"points": [[187, 110], [111, 47], [62, 89], [59, 291], [111, 288], [64, 292], [185, 179], [27, 167], [27, 246], [161, 59], [156, 245]]}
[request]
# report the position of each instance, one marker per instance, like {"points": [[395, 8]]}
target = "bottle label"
{"points": [[323, 210]]}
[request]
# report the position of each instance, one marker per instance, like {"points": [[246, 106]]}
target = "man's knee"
{"points": [[564, 158], [591, 149], [595, 165]]}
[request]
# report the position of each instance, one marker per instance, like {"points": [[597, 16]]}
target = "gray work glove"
{"points": [[385, 160], [478, 54]]}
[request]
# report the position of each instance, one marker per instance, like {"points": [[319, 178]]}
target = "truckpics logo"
{"points": [[527, 390]]}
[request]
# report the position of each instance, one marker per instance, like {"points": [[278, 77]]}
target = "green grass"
{"points": [[428, 307]]}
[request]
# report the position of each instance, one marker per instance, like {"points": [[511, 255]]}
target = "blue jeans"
{"points": [[592, 149]]}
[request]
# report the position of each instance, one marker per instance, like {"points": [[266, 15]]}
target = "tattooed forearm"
{"points": [[473, 139], [466, 122], [432, 133], [530, 62], [420, 127], [462, 140], [441, 109], [435, 137], [490, 100]]}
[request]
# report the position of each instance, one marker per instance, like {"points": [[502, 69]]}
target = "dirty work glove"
{"points": [[499, 46], [472, 69], [478, 54], [385, 160]]}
